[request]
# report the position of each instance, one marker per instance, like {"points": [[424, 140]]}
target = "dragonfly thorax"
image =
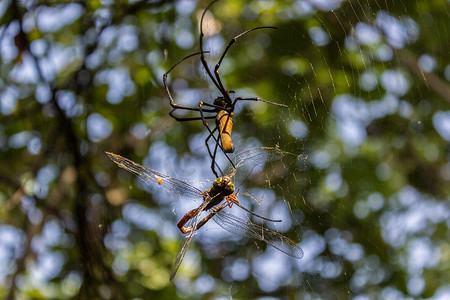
{"points": [[221, 187]]}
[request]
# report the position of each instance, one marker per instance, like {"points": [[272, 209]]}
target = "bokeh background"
{"points": [[364, 190]]}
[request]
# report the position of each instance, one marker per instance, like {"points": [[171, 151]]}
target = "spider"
{"points": [[223, 106]]}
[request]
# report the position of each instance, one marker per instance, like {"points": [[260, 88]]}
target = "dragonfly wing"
{"points": [[254, 157], [148, 175], [251, 230], [181, 253], [183, 247]]}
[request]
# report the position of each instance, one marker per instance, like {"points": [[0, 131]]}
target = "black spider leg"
{"points": [[216, 73], [202, 56], [230, 43], [177, 106], [258, 99], [200, 109], [221, 147], [203, 118], [213, 156], [211, 134]]}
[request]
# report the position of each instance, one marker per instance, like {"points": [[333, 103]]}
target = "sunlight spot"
{"points": [[422, 253], [214, 44], [265, 5], [366, 34], [140, 131], [25, 72], [8, 100], [447, 72], [354, 252], [441, 122], [321, 159], [333, 181], [331, 269], [427, 63], [52, 19], [391, 293], [272, 269], [319, 36], [204, 284], [184, 39], [443, 293], [394, 82], [119, 84], [313, 245], [375, 201], [71, 284], [19, 140], [127, 38], [98, 128], [398, 32], [108, 36], [360, 209], [289, 67], [368, 81], [8, 50], [352, 133], [47, 266], [185, 7], [66, 100], [326, 4], [416, 285], [383, 53], [405, 109], [43, 93], [239, 270], [120, 266], [302, 8], [298, 129]]}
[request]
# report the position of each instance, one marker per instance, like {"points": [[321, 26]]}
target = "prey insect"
{"points": [[220, 195], [222, 109]]}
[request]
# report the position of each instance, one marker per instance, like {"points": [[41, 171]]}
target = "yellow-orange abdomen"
{"points": [[225, 124]]}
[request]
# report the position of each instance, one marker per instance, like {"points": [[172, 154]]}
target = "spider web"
{"points": [[335, 101], [363, 187]]}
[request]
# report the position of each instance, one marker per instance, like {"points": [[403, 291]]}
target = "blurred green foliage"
{"points": [[367, 189]]}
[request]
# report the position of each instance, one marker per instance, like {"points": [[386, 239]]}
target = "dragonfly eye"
{"points": [[229, 188]]}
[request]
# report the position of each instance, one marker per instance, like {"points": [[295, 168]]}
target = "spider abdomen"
{"points": [[224, 122]]}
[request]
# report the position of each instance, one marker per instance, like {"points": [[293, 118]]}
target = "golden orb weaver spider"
{"points": [[222, 107]]}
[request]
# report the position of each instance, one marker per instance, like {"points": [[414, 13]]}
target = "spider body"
{"points": [[222, 107]]}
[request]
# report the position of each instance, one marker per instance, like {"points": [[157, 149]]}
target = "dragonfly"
{"points": [[221, 194]]}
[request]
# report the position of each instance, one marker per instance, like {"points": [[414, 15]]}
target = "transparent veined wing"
{"points": [[251, 230], [252, 158], [148, 175], [183, 247]]}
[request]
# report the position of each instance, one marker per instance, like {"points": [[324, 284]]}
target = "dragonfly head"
{"points": [[224, 186]]}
